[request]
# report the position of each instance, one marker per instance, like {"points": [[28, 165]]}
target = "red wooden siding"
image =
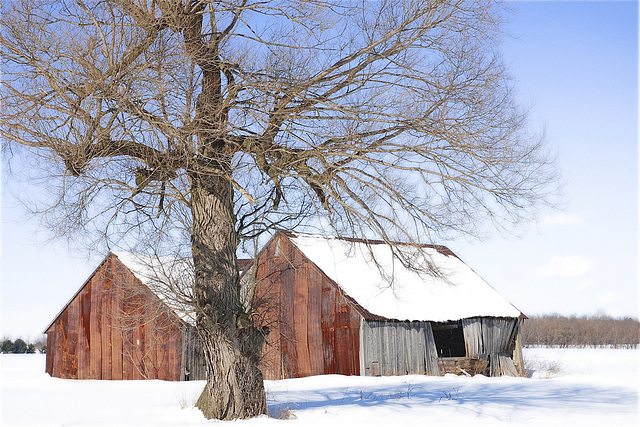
{"points": [[112, 329], [314, 329]]}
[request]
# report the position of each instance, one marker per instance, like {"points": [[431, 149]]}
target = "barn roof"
{"points": [[370, 274]]}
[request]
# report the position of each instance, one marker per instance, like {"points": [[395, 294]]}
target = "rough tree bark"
{"points": [[232, 348]]}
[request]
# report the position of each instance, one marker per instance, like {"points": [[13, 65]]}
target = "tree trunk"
{"points": [[232, 346]]}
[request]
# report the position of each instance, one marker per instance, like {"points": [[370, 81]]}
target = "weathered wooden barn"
{"points": [[333, 306], [119, 326], [346, 306]]}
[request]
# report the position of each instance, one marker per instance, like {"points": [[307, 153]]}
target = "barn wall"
{"points": [[398, 348], [313, 328], [112, 329], [267, 306]]}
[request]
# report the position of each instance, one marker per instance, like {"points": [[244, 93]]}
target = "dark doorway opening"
{"points": [[449, 339]]}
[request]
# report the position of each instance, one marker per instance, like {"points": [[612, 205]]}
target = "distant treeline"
{"points": [[599, 330], [20, 346]]}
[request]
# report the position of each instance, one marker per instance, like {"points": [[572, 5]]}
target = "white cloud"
{"points": [[566, 266], [565, 219]]}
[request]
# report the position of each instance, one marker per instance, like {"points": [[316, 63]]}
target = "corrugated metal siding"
{"points": [[398, 348]]}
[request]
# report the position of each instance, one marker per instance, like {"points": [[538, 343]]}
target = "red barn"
{"points": [[116, 328], [346, 306]]}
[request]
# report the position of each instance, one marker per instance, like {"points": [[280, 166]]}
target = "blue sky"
{"points": [[576, 64], [577, 67]]}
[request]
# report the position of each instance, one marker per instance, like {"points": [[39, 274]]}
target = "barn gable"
{"points": [[328, 299], [169, 279], [115, 327], [314, 326]]}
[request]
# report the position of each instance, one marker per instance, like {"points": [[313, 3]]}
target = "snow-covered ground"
{"points": [[571, 387]]}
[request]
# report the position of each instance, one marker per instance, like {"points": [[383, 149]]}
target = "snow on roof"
{"points": [[169, 279], [380, 283]]}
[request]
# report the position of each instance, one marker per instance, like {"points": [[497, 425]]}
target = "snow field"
{"points": [[576, 387]]}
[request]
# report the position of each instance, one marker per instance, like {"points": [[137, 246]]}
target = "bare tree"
{"points": [[218, 120], [581, 331]]}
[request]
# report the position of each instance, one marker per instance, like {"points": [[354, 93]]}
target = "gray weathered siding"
{"points": [[492, 339], [397, 348], [193, 366]]}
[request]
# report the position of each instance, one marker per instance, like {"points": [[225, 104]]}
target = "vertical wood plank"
{"points": [[328, 308], [127, 366], [517, 352], [175, 345], [95, 349], [143, 345], [288, 342], [84, 339], [342, 337], [161, 348], [106, 319], [51, 353], [126, 329], [73, 324], [154, 340], [136, 359], [64, 344], [365, 348], [267, 303], [354, 341], [167, 342], [314, 321], [173, 365], [119, 280], [432, 351], [300, 317], [58, 348]]}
